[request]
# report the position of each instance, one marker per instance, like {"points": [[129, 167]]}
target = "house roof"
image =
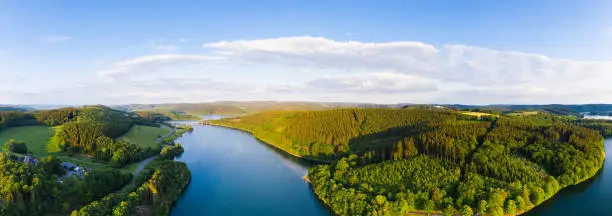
{"points": [[67, 164]]}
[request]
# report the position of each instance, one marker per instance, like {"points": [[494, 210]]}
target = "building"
{"points": [[68, 165], [30, 160]]}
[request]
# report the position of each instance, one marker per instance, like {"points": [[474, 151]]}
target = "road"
{"points": [[146, 161], [142, 165]]}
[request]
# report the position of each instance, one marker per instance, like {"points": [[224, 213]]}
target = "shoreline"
{"points": [[271, 144]]}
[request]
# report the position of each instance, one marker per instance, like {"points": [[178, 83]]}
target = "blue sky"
{"points": [[116, 52]]}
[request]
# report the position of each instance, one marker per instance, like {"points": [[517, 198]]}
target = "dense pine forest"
{"points": [[394, 161]]}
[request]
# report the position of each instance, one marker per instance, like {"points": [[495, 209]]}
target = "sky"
{"points": [[405, 51]]}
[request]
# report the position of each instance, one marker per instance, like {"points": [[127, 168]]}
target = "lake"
{"points": [[235, 174], [591, 197], [586, 116]]}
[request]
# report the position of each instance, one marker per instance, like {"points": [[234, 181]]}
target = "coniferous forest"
{"points": [[394, 161]]}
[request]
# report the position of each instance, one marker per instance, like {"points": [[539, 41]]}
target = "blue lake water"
{"points": [[235, 174]]}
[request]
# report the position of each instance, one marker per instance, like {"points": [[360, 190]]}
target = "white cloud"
{"points": [[148, 63], [56, 38], [374, 83], [320, 69], [464, 68]]}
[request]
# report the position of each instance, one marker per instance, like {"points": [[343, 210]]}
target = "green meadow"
{"points": [[145, 136], [36, 138]]}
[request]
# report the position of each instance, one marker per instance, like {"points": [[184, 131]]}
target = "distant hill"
{"points": [[188, 110], [3, 108], [561, 109], [192, 110]]}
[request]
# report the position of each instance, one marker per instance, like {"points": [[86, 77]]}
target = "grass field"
{"points": [[525, 113], [145, 136], [35, 137], [479, 114]]}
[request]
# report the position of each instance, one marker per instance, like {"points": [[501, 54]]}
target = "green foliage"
{"points": [[160, 190], [57, 116], [16, 118], [95, 185], [170, 152], [178, 132], [325, 135], [125, 153], [51, 166], [432, 160], [603, 126], [466, 211], [79, 137], [112, 123], [152, 116], [92, 135], [16, 147]]}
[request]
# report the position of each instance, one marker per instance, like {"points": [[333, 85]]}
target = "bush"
{"points": [[16, 147]]}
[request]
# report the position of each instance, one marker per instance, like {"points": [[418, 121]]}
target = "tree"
{"points": [[537, 195], [340, 168], [15, 146], [510, 207], [482, 207], [466, 211], [381, 200], [450, 210], [51, 166], [121, 210], [430, 205], [520, 203], [167, 152]]}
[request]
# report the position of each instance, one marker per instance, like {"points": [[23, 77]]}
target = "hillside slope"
{"points": [[389, 161]]}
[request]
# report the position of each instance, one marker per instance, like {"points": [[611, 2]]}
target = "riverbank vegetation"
{"points": [[394, 161]]}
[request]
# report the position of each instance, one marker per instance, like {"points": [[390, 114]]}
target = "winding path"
{"points": [[146, 161], [142, 165]]}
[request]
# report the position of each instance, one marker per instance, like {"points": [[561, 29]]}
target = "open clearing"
{"points": [[479, 114], [145, 136], [525, 113], [35, 137]]}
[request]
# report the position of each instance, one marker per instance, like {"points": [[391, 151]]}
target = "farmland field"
{"points": [[145, 136], [35, 137]]}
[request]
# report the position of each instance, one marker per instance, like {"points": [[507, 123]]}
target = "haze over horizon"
{"points": [[386, 52]]}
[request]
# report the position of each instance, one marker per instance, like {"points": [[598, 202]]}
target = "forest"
{"points": [[42, 187], [394, 161], [153, 193], [34, 190]]}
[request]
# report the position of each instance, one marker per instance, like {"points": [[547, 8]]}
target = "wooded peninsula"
{"points": [[399, 161]]}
